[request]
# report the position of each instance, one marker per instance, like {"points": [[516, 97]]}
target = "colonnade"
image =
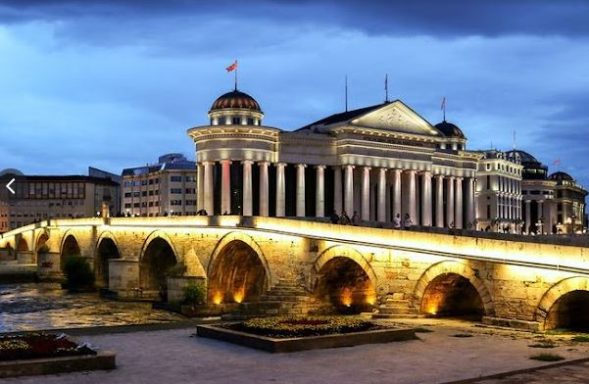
{"points": [[428, 199]]}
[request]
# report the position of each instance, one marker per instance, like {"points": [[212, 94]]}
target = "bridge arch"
{"points": [[158, 256], [22, 245], [453, 288], [238, 270], [565, 305], [106, 248], [344, 279], [69, 247]]}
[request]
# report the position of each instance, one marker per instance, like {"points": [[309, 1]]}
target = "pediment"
{"points": [[396, 117]]}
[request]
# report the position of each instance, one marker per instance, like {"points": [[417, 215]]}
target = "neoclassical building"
{"points": [[552, 203], [377, 161]]}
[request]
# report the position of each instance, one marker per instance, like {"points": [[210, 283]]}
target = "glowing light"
{"points": [[217, 297], [371, 298], [239, 295], [346, 297]]}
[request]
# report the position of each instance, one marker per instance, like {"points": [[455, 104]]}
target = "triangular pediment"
{"points": [[396, 117]]}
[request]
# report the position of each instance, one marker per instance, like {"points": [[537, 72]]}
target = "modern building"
{"points": [[380, 161], [4, 217], [550, 203], [39, 197], [162, 189], [498, 192]]}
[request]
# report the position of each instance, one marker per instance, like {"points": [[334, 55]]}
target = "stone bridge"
{"points": [[501, 280]]}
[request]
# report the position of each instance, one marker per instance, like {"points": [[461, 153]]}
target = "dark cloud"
{"points": [[426, 17]]}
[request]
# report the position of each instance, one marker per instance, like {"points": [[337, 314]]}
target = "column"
{"points": [[450, 202], [382, 192], [426, 199], [264, 203], [225, 186], [412, 198], [397, 193], [320, 191], [208, 187], [200, 191], [349, 190], [458, 207], [301, 190], [280, 189], [337, 189], [439, 201], [247, 188], [470, 216], [365, 194], [528, 215]]}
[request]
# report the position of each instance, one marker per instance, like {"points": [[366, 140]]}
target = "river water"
{"points": [[35, 306]]}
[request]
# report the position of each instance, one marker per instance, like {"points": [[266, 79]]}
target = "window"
{"points": [[236, 120], [175, 202], [190, 191], [176, 179], [190, 179], [250, 121], [176, 190], [136, 194], [488, 182], [127, 194]]}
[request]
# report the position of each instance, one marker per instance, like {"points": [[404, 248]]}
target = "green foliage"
{"points": [[547, 357], [581, 339], [195, 293], [43, 249], [543, 344], [78, 273], [285, 327]]}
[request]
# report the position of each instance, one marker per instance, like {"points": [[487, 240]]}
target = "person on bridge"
{"points": [[397, 221], [407, 223], [334, 217]]}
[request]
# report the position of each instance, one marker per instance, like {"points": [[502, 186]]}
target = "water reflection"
{"points": [[46, 305]]}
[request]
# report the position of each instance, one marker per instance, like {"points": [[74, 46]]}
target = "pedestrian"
{"points": [[397, 221], [355, 218], [344, 218], [334, 217], [407, 222]]}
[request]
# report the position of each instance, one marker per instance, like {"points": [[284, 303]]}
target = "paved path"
{"points": [[568, 374], [174, 357]]}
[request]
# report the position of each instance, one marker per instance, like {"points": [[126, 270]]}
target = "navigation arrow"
{"points": [[8, 186]]}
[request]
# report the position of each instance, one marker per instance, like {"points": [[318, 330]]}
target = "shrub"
{"points": [[547, 357], [195, 293], [285, 327], [581, 339], [78, 273]]}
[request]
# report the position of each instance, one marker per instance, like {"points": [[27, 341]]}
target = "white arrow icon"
{"points": [[8, 186]]}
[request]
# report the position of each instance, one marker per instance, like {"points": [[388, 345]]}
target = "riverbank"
{"points": [[25, 307]]}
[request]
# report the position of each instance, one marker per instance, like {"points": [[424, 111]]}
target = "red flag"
{"points": [[232, 67], [556, 162]]}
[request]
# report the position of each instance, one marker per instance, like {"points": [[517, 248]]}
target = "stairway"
{"points": [[285, 298], [394, 309]]}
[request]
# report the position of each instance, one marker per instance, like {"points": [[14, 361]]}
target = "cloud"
{"points": [[425, 17]]}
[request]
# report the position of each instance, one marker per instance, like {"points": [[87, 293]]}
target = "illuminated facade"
{"points": [[167, 188], [550, 203], [498, 192], [377, 161]]}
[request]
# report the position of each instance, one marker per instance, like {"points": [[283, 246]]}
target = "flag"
{"points": [[443, 106], [232, 67], [556, 162]]}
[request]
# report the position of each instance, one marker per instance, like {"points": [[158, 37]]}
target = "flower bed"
{"points": [[289, 327], [40, 345], [291, 334]]}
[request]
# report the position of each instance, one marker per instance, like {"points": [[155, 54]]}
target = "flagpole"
{"points": [[346, 93], [386, 88], [235, 75]]}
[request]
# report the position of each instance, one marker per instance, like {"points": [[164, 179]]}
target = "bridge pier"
{"points": [[49, 265], [124, 278]]}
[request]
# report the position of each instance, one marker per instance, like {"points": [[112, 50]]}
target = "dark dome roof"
{"points": [[450, 130], [524, 156], [561, 176], [236, 99]]}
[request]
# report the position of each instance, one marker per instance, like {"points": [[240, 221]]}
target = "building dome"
{"points": [[560, 176], [523, 156], [450, 130], [236, 100]]}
